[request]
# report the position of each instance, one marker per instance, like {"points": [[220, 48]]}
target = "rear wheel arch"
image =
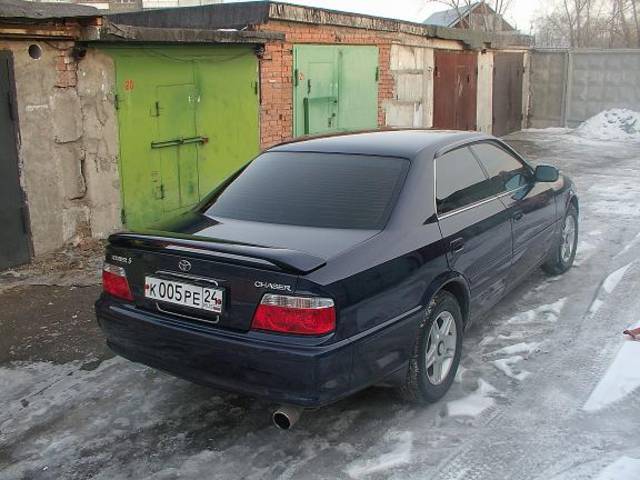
{"points": [[573, 200], [455, 284]]}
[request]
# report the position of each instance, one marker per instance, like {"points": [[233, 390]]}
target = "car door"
{"points": [[475, 226], [531, 205]]}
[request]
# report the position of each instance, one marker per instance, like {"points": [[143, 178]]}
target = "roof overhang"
{"points": [[114, 32]]}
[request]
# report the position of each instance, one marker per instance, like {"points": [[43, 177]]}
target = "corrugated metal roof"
{"points": [[16, 9], [448, 18]]}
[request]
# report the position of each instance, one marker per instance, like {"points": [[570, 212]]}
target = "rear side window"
{"points": [[506, 172], [459, 181], [314, 190]]}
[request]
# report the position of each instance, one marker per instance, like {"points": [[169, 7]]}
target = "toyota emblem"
{"points": [[184, 265]]}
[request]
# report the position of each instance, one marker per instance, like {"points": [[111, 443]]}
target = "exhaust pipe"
{"points": [[286, 416]]}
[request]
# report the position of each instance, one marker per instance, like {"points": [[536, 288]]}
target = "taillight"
{"points": [[300, 315], [114, 281]]}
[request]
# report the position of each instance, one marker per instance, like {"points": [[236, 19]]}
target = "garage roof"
{"points": [[20, 9], [244, 15]]}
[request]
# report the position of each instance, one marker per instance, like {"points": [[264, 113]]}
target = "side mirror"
{"points": [[546, 173]]}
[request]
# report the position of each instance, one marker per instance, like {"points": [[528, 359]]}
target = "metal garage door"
{"points": [[188, 118], [14, 239], [455, 90], [507, 92], [335, 88]]}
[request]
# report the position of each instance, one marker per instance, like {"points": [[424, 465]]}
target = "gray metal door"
{"points": [[14, 238], [507, 93]]}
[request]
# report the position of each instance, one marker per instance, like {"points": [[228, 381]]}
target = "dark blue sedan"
{"points": [[327, 265]]}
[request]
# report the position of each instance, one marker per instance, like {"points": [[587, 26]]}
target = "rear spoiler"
{"points": [[253, 255]]}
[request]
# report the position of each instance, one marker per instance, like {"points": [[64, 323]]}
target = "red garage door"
{"points": [[455, 90]]}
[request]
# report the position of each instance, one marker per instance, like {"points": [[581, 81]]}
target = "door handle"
{"points": [[457, 245], [517, 215]]}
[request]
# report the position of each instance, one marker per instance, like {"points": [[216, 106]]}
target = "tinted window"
{"points": [[459, 181], [314, 189], [506, 172]]}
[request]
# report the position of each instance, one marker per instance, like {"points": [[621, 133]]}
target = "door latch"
{"points": [[179, 141]]}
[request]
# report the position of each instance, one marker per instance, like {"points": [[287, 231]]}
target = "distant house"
{"points": [[474, 16]]}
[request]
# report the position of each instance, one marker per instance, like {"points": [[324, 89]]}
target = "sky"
{"points": [[521, 13]]}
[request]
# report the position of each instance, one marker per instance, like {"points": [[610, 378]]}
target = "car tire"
{"points": [[564, 253], [433, 365]]}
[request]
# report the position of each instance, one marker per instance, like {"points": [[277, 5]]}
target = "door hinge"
{"points": [[157, 109], [295, 77], [255, 87], [377, 74], [123, 216]]}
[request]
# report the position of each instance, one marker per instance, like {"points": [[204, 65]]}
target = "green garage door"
{"points": [[335, 88], [188, 118]]}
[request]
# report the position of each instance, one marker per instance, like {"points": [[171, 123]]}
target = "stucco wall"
{"points": [[67, 139]]}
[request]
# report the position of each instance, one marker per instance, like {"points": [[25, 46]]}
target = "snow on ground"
{"points": [[474, 404], [505, 365], [621, 379], [612, 281], [624, 468], [400, 454], [614, 124], [543, 313], [518, 348]]}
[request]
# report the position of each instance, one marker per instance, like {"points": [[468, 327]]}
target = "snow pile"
{"points": [[615, 124]]}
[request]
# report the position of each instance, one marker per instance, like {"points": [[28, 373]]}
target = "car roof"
{"points": [[392, 143]]}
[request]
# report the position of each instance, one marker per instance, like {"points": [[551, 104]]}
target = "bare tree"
{"points": [[590, 23], [485, 22]]}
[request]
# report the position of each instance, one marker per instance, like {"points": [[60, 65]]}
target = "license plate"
{"points": [[184, 294]]}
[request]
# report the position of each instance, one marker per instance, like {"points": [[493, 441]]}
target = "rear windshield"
{"points": [[314, 190]]}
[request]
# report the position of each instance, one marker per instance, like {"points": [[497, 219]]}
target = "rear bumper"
{"points": [[246, 363]]}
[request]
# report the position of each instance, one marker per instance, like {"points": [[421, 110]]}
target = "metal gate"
{"points": [[455, 90], [14, 237], [335, 88], [188, 118], [507, 92]]}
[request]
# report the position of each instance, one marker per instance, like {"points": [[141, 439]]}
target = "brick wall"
{"points": [[276, 72], [66, 66]]}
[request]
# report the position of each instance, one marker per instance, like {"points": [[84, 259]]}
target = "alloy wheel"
{"points": [[441, 347], [568, 238]]}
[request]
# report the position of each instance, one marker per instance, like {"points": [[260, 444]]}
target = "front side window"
{"points": [[313, 189], [506, 173], [460, 181]]}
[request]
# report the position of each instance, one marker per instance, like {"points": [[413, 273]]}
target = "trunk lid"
{"points": [[218, 259]]}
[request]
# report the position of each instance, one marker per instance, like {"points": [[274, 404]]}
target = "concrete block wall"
{"points": [[66, 158]]}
